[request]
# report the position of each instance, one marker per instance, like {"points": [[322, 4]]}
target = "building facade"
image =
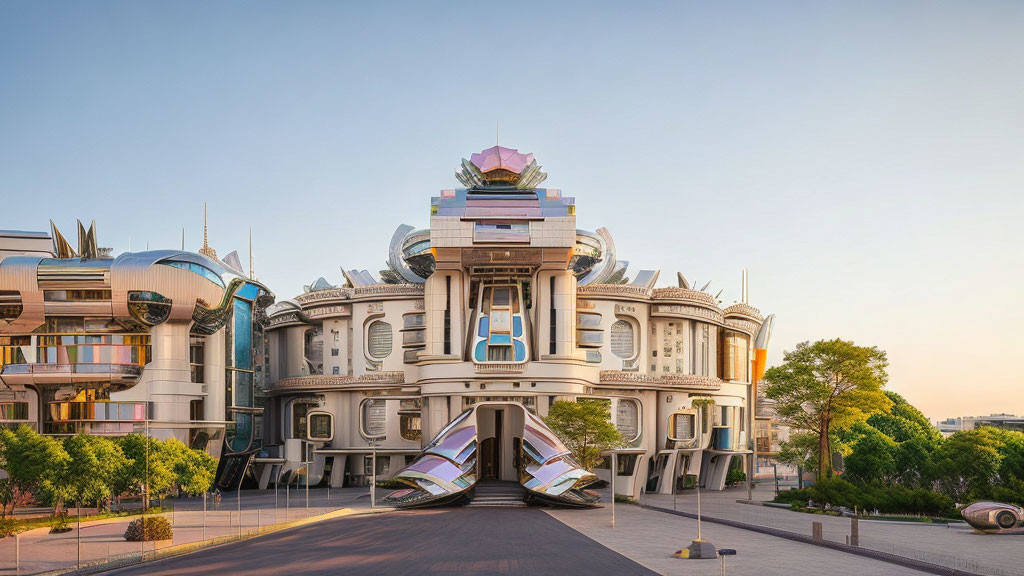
{"points": [[168, 343], [950, 426], [496, 310]]}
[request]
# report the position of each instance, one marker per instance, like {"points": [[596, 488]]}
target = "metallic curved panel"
{"points": [[396, 255], [994, 517], [551, 474], [604, 269], [646, 278], [19, 274], [446, 469]]}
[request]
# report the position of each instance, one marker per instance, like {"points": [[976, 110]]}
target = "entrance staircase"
{"points": [[498, 494]]}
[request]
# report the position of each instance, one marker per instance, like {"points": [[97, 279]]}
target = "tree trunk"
{"points": [[824, 458]]}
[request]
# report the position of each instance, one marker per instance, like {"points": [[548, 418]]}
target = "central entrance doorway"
{"points": [[500, 435], [490, 451]]}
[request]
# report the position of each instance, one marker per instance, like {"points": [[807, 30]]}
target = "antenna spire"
{"points": [[250, 253], [206, 250], [497, 126], [745, 289]]}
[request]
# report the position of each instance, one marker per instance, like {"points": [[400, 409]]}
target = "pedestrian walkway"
{"points": [[649, 538], [954, 545], [39, 551]]}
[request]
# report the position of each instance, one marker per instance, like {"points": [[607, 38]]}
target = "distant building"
{"points": [[1005, 421]]}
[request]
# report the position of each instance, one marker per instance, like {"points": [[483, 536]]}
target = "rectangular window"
{"points": [[448, 315], [383, 464], [554, 321]]}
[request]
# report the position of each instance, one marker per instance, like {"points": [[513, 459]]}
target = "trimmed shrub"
{"points": [[60, 524], [150, 528], [886, 499], [735, 476]]}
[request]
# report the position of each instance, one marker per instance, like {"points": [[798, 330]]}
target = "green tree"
{"points": [[904, 422], [967, 464], [193, 469], [801, 450], [585, 428], [94, 467], [825, 385], [37, 464], [12, 494], [160, 473], [873, 456]]}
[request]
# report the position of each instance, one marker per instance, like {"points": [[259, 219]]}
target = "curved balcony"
{"points": [[119, 374]]}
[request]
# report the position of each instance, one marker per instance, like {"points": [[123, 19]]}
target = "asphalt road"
{"points": [[438, 542]]}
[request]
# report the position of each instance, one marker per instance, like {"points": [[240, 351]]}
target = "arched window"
{"points": [[373, 418], [627, 419], [622, 339], [379, 339]]}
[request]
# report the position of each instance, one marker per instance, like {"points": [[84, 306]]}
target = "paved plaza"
{"points": [[514, 541], [41, 551], [650, 538], [441, 541], [954, 546]]}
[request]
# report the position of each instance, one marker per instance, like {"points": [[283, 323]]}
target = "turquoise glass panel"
{"points": [[242, 435], [501, 339], [243, 389], [485, 327], [248, 291], [517, 326], [242, 334], [480, 354], [520, 351]]}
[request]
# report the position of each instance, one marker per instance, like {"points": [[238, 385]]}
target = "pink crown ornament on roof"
{"points": [[498, 166]]}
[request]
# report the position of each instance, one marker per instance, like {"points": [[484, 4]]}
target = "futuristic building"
{"points": [[101, 345], [442, 371]]}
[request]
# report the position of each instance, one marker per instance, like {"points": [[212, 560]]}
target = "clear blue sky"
{"points": [[862, 159]]}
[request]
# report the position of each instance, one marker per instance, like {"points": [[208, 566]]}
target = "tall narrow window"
{"points": [[554, 322], [374, 418], [448, 315]]}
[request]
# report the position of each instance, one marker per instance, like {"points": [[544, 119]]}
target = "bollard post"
{"points": [[17, 554], [239, 510], [854, 532], [816, 530], [204, 516]]}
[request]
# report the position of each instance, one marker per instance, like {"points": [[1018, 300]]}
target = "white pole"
{"points": [[373, 477], [309, 463], [79, 535], [17, 554], [613, 487], [239, 498], [204, 515], [698, 507]]}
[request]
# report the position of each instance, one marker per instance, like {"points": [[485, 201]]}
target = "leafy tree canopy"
{"points": [[827, 385], [585, 428]]}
